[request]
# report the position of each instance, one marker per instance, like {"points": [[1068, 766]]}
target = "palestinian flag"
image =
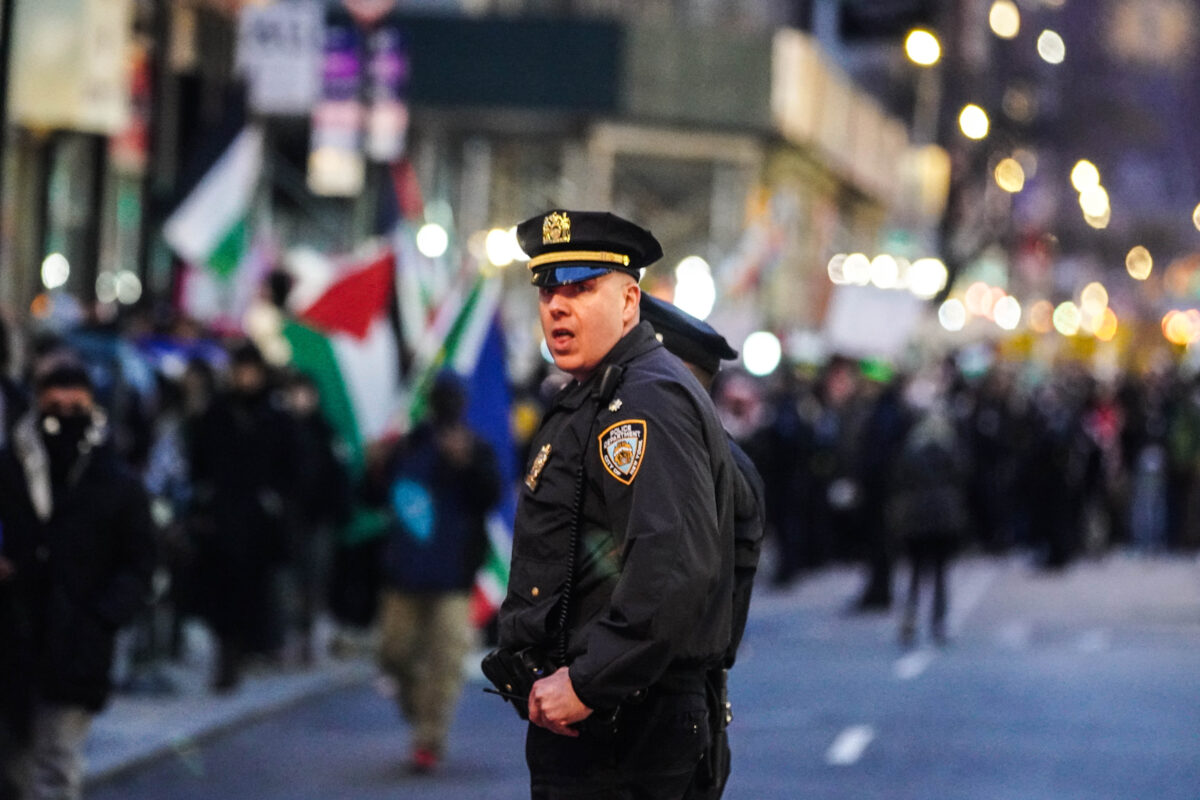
{"points": [[344, 340], [211, 232]]}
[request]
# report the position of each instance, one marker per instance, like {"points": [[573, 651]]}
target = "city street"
{"points": [[1070, 685]]}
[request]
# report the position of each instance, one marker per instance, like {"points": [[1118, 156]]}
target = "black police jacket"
{"points": [[653, 579]]}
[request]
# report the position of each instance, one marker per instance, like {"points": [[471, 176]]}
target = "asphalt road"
{"points": [[1076, 685]]}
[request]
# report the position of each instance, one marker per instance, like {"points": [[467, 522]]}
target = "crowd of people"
{"points": [[248, 493], [1054, 462]]}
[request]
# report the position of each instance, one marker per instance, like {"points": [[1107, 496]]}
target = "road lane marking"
{"points": [[911, 665], [849, 745]]}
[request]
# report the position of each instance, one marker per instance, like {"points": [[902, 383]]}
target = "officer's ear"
{"points": [[631, 311]]}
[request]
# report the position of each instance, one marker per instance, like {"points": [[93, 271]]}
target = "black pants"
{"points": [[651, 752], [929, 555]]}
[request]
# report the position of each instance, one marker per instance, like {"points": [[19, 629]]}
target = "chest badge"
{"points": [[622, 446], [535, 469], [615, 405]]}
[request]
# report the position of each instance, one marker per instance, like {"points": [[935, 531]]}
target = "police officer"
{"points": [[622, 566], [702, 349]]}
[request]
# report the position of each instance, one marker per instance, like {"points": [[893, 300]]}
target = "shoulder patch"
{"points": [[622, 446]]}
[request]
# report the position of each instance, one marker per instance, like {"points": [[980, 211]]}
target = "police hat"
{"points": [[573, 246], [692, 340]]}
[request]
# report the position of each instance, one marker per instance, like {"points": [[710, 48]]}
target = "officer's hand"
{"points": [[554, 705]]}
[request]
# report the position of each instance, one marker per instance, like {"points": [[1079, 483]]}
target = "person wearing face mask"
{"points": [[78, 552]]}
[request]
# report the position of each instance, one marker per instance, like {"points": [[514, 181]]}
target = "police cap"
{"points": [[573, 246], [692, 340]]}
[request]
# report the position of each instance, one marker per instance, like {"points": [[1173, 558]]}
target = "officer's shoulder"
{"points": [[660, 383]]}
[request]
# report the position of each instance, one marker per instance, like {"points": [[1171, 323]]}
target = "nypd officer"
{"points": [[702, 349], [622, 565]]}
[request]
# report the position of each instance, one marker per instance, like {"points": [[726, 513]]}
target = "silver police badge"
{"points": [[622, 446]]}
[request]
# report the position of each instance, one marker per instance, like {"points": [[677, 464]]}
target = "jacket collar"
{"points": [[639, 340]]}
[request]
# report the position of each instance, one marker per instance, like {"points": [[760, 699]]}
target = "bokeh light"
{"points": [[501, 246], [55, 270], [885, 271], [1041, 316], [1010, 175], [837, 273], [1138, 263], [1094, 201], [432, 240], [1005, 19], [973, 121], [857, 269], [1196, 216], [1051, 47], [1007, 312], [695, 291], [761, 353], [1093, 299], [1084, 175], [922, 47], [1108, 326], [1067, 318], [952, 315], [927, 277]]}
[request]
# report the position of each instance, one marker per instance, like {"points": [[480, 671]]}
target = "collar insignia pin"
{"points": [[535, 469], [615, 405]]}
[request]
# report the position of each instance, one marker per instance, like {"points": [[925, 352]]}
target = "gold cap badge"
{"points": [[556, 228]]}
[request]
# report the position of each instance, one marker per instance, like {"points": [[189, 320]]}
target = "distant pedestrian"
{"points": [[241, 468], [927, 508], [441, 481], [320, 502], [78, 553]]}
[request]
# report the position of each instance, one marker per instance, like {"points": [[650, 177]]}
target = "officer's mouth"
{"points": [[561, 337]]}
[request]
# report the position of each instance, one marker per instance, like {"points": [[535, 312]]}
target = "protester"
{"points": [[78, 553], [441, 481], [241, 465], [927, 504]]}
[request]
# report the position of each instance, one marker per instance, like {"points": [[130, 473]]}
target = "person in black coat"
{"points": [[622, 563], [242, 466], [702, 348], [78, 553]]}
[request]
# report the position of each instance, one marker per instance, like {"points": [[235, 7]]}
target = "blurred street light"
{"points": [[973, 121], [695, 291], [1139, 263], [1051, 48], [55, 270], [922, 48], [432, 240], [1084, 175], [761, 353], [952, 315], [1005, 19], [1010, 175]]}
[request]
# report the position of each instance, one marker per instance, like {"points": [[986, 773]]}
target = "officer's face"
{"points": [[582, 321]]}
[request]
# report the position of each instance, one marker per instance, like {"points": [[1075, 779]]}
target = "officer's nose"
{"points": [[556, 303]]}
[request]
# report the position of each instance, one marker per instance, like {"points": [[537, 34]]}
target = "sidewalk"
{"points": [[176, 709]]}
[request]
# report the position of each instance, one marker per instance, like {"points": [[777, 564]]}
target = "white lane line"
{"points": [[911, 665], [849, 745]]}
